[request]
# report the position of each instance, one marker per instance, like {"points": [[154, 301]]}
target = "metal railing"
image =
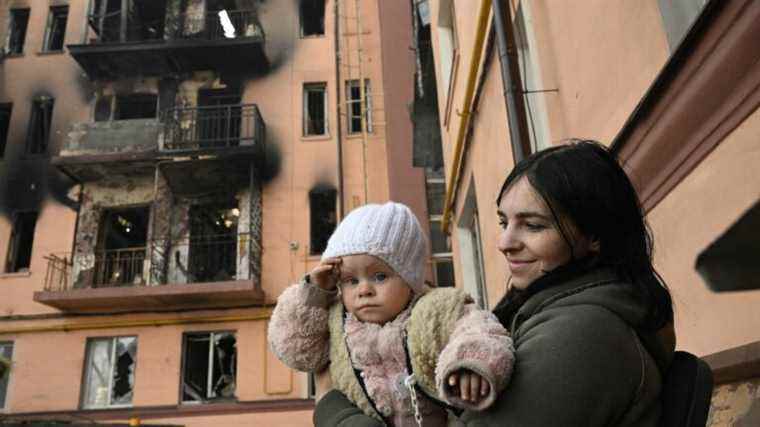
{"points": [[119, 267], [224, 126], [58, 273], [201, 25], [199, 259], [207, 258], [208, 25], [109, 29]]}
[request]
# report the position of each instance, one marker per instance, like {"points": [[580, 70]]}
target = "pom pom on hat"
{"points": [[390, 232]]}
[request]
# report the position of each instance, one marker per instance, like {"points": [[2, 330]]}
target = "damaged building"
{"points": [[167, 168]]}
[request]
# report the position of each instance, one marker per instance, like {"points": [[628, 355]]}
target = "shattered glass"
{"points": [[110, 372], [210, 367]]}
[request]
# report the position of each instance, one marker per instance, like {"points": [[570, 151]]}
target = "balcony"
{"points": [[159, 43], [211, 147], [206, 271], [200, 148], [94, 150]]}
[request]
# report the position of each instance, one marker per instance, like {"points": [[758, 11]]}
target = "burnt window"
{"points": [[39, 125], [17, 31], [314, 109], [354, 101], [6, 355], [120, 253], [212, 255], [109, 372], [20, 245], [5, 121], [312, 18], [209, 366], [103, 108], [56, 28], [136, 106], [323, 217]]}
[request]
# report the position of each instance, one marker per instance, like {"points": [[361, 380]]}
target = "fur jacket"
{"points": [[438, 334]]}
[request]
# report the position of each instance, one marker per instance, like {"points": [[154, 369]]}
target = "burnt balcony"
{"points": [[207, 271], [211, 146], [94, 150], [159, 43]]}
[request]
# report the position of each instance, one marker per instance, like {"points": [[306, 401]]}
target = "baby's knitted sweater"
{"points": [[299, 334]]}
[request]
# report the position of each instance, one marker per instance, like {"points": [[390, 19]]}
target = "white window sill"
{"points": [[16, 274]]}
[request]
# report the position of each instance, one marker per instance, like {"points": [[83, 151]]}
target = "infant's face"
{"points": [[371, 290]]}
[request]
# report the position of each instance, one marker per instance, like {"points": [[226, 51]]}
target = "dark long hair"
{"points": [[583, 184]]}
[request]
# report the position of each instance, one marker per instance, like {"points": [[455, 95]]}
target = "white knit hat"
{"points": [[390, 232]]}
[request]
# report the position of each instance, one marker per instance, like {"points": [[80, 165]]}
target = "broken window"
{"points": [[56, 28], [312, 18], [209, 366], [6, 355], [145, 20], [5, 121], [120, 253], [354, 101], [39, 125], [103, 107], [322, 217], [109, 372], [136, 106], [17, 31], [213, 242], [22, 238], [314, 109]]}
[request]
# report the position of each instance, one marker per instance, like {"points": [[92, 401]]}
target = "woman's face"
{"points": [[530, 238]]}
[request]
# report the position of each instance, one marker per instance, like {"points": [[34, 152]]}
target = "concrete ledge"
{"points": [[739, 363]]}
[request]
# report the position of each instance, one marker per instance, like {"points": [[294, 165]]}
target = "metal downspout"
{"points": [[512, 81], [477, 53], [338, 133]]}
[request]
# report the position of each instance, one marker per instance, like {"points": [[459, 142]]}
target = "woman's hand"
{"points": [[323, 383], [326, 274], [469, 386]]}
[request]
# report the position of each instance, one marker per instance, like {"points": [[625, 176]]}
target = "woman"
{"points": [[590, 318]]}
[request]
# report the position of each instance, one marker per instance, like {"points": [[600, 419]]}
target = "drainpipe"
{"points": [[338, 133], [511, 80], [477, 54]]}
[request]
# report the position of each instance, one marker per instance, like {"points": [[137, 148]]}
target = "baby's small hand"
{"points": [[468, 385], [326, 274]]}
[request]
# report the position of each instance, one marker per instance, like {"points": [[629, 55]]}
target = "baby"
{"points": [[402, 351]]}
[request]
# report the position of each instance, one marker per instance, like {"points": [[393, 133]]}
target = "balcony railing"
{"points": [[202, 25], [208, 258], [108, 28], [212, 127], [209, 26]]}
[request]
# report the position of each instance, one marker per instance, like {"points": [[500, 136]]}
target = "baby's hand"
{"points": [[469, 386], [326, 274]]}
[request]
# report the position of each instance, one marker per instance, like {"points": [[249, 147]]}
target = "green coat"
{"points": [[581, 360]]}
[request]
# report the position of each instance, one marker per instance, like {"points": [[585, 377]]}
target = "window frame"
{"points": [[11, 257], [350, 101], [301, 21], [12, 28], [326, 193], [54, 13], [86, 373], [5, 380], [47, 129], [209, 373], [308, 88], [6, 111]]}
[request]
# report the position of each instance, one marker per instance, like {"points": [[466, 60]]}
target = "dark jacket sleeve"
{"points": [[335, 410], [575, 366]]}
